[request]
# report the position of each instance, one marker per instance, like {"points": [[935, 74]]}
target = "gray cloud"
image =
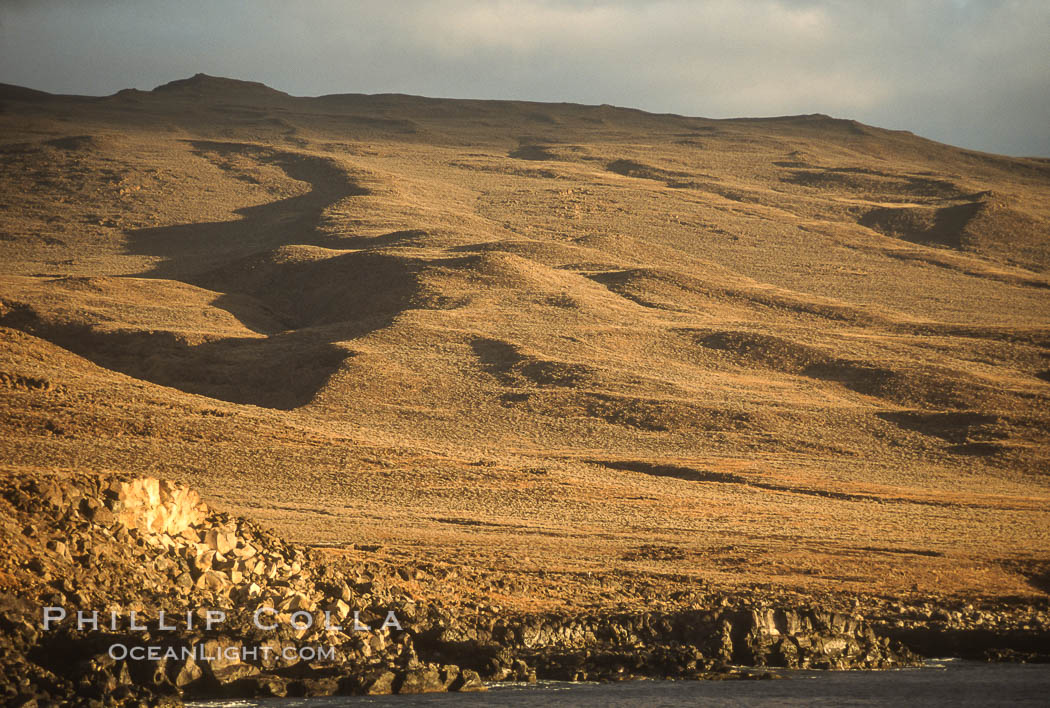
{"points": [[966, 72]]}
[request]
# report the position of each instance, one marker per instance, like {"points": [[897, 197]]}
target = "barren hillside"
{"points": [[562, 353]]}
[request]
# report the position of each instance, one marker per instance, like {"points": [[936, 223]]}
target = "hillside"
{"points": [[569, 355]]}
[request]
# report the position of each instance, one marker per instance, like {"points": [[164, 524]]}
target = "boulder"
{"points": [[212, 581], [184, 673], [468, 681], [421, 680], [379, 682]]}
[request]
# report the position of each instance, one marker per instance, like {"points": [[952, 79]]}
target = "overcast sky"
{"points": [[968, 72]]}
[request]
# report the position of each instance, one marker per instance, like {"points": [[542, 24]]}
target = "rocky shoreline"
{"points": [[93, 561]]}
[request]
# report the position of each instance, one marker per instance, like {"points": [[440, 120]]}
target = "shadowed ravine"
{"points": [[190, 250]]}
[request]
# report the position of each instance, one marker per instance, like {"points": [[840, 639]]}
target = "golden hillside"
{"points": [[563, 353]]}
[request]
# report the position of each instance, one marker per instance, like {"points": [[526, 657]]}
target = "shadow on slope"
{"points": [[944, 226], [690, 474], [190, 249], [863, 180], [305, 298], [282, 371], [308, 286], [516, 367], [924, 385]]}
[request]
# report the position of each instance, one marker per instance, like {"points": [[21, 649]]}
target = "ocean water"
{"points": [[939, 683]]}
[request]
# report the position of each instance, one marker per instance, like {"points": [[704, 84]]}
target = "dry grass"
{"points": [[567, 354]]}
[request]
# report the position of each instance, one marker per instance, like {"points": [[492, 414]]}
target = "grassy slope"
{"points": [[581, 353]]}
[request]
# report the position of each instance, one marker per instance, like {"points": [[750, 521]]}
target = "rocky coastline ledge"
{"points": [[118, 590]]}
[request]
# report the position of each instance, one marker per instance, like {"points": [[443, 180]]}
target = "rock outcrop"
{"points": [[95, 561], [121, 590]]}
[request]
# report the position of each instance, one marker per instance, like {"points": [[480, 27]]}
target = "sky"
{"points": [[967, 72]]}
